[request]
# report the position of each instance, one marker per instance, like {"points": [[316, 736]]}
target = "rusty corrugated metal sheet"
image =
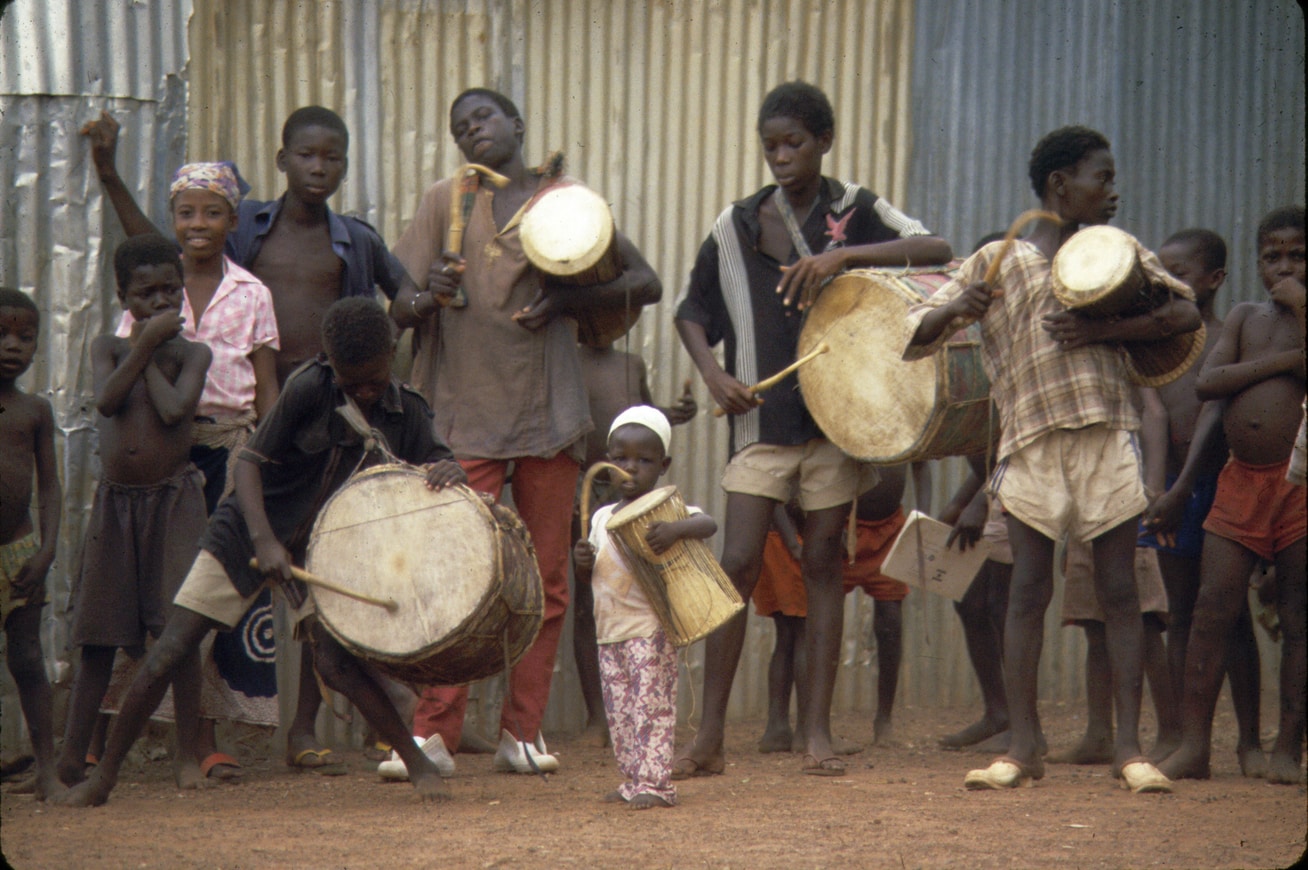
{"points": [[60, 64]]}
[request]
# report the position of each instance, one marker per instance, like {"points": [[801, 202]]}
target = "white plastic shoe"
{"points": [[512, 758], [433, 747]]}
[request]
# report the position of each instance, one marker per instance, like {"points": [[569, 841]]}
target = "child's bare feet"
{"points": [[46, 784], [1284, 769], [430, 785], [614, 797], [647, 801], [1091, 750], [187, 775], [982, 729], [1253, 762], [1185, 763], [776, 740], [91, 792], [596, 735]]}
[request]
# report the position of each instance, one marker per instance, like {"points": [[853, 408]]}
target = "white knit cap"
{"points": [[649, 417]]}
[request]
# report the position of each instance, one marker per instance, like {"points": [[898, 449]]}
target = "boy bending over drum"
{"points": [[1067, 454], [302, 452], [637, 660]]}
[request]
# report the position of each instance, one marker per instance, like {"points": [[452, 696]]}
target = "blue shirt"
{"points": [[368, 262]]}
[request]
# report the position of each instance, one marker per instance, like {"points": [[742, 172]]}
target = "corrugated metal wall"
{"points": [[60, 64]]}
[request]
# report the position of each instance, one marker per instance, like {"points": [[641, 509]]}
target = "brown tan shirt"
{"points": [[498, 390]]}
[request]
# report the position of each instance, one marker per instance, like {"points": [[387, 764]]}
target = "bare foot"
{"points": [[1253, 763], [70, 771], [883, 732], [614, 797], [1090, 750], [187, 776], [687, 765], [1185, 763], [841, 746], [647, 801], [597, 735], [1164, 748], [995, 745], [981, 729], [775, 740], [91, 792], [1284, 769], [430, 785]]}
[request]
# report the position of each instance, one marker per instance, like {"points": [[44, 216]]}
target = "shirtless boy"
{"points": [[302, 452], [1257, 366], [309, 257], [148, 512], [1064, 407], [26, 446]]}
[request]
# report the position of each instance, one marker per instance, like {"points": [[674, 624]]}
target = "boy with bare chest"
{"points": [[149, 509], [1257, 367]]}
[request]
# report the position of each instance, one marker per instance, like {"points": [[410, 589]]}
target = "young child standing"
{"points": [[1257, 367], [766, 259], [26, 552], [638, 663], [148, 512], [302, 452], [1067, 456]]}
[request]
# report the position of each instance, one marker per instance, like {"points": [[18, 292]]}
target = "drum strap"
{"points": [[792, 226]]}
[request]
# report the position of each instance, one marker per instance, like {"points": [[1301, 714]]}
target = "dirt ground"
{"points": [[899, 806]]}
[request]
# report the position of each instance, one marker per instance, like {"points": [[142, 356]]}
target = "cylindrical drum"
{"points": [[462, 570], [685, 585], [867, 399]]}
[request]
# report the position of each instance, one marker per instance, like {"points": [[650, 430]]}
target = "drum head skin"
{"points": [[640, 507], [1093, 263], [870, 402], [387, 535], [567, 231]]}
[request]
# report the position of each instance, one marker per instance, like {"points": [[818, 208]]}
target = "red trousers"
{"points": [[543, 492]]}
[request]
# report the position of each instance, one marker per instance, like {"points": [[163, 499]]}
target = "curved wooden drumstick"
{"points": [[1014, 228], [585, 491], [769, 383], [454, 239], [314, 580]]}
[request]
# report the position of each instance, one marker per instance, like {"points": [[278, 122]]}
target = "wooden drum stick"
{"points": [[314, 580], [1014, 228], [769, 383], [585, 491]]}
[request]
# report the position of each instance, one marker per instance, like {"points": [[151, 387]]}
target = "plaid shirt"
{"points": [[1037, 386], [239, 319]]}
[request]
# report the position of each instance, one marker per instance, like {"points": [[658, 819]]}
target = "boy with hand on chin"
{"points": [[638, 663], [149, 511], [26, 552], [766, 259], [1067, 456], [300, 454]]}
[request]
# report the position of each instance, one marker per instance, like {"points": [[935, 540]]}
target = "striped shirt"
{"points": [[1037, 386]]}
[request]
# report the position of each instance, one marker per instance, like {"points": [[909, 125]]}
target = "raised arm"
{"points": [[637, 286], [1174, 317], [806, 277], [103, 135], [1223, 375]]}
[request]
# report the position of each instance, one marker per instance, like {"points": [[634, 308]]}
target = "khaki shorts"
{"points": [[208, 591], [1081, 603], [1080, 481], [827, 477]]}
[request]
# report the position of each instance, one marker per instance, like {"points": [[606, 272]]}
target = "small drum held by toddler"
{"points": [[1097, 273], [866, 398], [462, 570], [685, 585], [568, 233]]}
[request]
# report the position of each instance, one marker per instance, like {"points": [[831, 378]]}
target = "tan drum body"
{"points": [[1097, 273], [568, 234], [685, 586], [870, 402], [462, 571]]}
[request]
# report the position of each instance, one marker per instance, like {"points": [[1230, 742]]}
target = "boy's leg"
{"points": [[181, 637], [824, 583], [342, 672], [745, 531], [1116, 587], [1181, 579], [186, 715], [887, 625], [302, 749], [982, 613], [1244, 672], [1029, 594], [1224, 586], [1096, 746], [1292, 608], [1167, 708], [781, 678], [27, 666], [94, 669]]}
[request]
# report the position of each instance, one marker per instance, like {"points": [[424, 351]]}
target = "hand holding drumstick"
{"points": [[767, 383]]}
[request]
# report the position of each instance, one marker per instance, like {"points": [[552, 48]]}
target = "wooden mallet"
{"points": [[314, 580], [768, 383]]}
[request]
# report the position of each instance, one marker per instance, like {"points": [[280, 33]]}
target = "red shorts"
{"points": [[875, 538], [780, 588], [1258, 508]]}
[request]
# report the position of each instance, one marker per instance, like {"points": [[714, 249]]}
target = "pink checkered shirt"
{"points": [[239, 319]]}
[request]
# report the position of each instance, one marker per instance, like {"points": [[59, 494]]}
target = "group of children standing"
{"points": [[195, 369]]}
